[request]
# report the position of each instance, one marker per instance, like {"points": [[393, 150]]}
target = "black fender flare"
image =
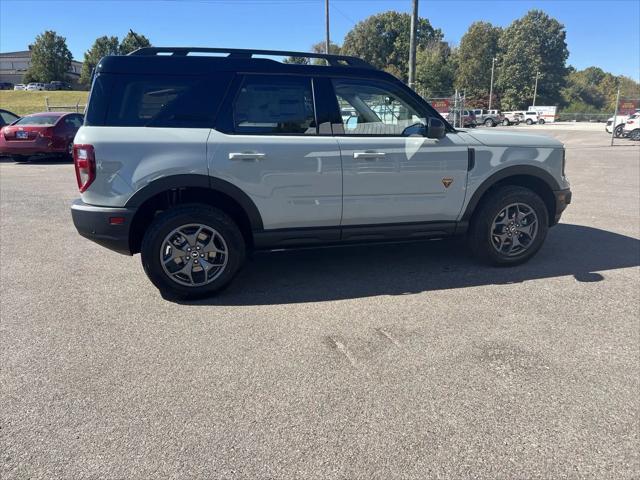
{"points": [[173, 182], [516, 170]]}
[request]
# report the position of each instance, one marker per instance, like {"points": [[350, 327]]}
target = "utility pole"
{"points": [[326, 15], [535, 89], [412, 45], [493, 64]]}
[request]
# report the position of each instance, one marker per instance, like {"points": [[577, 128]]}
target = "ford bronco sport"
{"points": [[192, 158]]}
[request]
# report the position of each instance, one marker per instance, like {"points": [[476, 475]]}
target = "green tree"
{"points": [[334, 49], [435, 70], [478, 47], [133, 41], [383, 41], [534, 43], [593, 89], [50, 58], [102, 47]]}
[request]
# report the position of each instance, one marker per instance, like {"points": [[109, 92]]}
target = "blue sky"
{"points": [[599, 32]]}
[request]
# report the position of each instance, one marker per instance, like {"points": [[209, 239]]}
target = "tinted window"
{"points": [[74, 121], [156, 100], [273, 104], [369, 108], [6, 118]]}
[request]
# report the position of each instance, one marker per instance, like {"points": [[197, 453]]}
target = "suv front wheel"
{"points": [[509, 227], [192, 251]]}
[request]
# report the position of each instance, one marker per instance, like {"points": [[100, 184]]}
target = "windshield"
{"points": [[40, 120]]}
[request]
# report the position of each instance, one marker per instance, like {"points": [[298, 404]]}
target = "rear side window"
{"points": [[274, 104], [74, 121], [171, 101]]}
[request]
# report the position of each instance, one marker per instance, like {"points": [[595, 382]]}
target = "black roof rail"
{"points": [[332, 60]]}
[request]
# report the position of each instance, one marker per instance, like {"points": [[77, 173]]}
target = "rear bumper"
{"points": [[563, 199], [40, 146], [96, 224]]}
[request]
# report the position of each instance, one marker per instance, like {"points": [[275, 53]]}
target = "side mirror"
{"points": [[435, 128]]}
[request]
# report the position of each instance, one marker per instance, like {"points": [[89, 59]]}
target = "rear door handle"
{"points": [[369, 155], [246, 156]]}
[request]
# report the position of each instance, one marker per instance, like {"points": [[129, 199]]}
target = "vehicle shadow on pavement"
{"points": [[317, 275]]}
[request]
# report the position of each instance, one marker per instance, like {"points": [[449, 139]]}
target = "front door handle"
{"points": [[246, 156], [369, 155]]}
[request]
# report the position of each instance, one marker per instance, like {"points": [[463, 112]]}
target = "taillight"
{"points": [[84, 159]]}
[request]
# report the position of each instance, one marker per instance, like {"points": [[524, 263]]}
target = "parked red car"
{"points": [[39, 135]]}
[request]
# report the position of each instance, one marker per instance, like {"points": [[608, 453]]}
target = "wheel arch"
{"points": [[167, 192], [533, 178]]}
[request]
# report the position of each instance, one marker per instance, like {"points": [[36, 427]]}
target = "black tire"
{"points": [[506, 122], [479, 235], [529, 121], [619, 130], [635, 134], [489, 123], [541, 121], [165, 223]]}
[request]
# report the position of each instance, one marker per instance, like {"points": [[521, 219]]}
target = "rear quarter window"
{"points": [[171, 101]]}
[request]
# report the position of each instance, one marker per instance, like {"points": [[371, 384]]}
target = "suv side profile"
{"points": [[488, 118], [193, 160]]}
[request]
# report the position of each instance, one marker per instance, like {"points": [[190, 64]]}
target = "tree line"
{"points": [[51, 58], [534, 45]]}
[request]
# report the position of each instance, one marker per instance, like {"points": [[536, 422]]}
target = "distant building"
{"points": [[13, 66]]}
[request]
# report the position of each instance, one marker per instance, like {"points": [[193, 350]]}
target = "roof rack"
{"points": [[332, 60]]}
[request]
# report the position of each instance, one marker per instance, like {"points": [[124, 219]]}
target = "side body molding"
{"points": [[172, 182], [516, 170]]}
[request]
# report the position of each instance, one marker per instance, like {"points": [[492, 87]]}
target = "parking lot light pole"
{"points": [[615, 114], [326, 15], [493, 65], [535, 89]]}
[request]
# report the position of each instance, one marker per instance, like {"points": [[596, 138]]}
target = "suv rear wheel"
{"points": [[619, 130], [192, 251], [509, 227]]}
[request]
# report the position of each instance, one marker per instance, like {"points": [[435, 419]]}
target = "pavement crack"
{"points": [[342, 348], [386, 335]]}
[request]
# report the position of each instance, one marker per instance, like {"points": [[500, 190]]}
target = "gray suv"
{"points": [[193, 160], [488, 118]]}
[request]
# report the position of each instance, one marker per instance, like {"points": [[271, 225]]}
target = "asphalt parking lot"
{"points": [[408, 361]]}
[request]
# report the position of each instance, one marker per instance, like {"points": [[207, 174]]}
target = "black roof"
{"points": [[178, 61]]}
